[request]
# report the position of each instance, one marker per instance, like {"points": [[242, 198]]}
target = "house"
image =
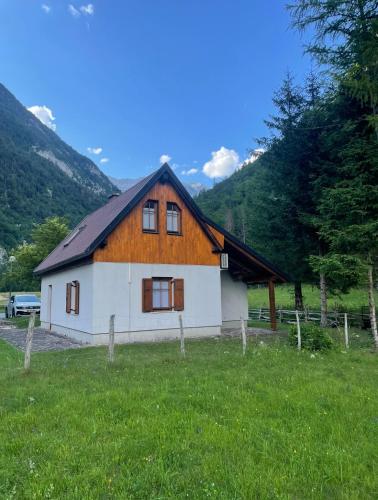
{"points": [[147, 256]]}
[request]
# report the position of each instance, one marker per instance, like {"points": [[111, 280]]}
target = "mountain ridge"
{"points": [[41, 175]]}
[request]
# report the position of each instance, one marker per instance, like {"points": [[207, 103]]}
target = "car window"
{"points": [[27, 298]]}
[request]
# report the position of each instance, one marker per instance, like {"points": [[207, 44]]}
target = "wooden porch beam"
{"points": [[272, 306]]}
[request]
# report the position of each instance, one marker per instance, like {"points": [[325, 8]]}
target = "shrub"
{"points": [[313, 337]]}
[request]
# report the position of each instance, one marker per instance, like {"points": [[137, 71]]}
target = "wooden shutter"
{"points": [[77, 296], [147, 295], [179, 295], [68, 297]]}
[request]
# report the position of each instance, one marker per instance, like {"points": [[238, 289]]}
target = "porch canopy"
{"points": [[247, 265]]}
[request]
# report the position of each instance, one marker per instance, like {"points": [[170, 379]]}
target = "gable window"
{"points": [[163, 294], [173, 218], [72, 297], [150, 216]]}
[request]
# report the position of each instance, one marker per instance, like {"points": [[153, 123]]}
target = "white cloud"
{"points": [[191, 171], [73, 11], [223, 163], [44, 114], [94, 151], [104, 160], [165, 159], [45, 8], [87, 10]]}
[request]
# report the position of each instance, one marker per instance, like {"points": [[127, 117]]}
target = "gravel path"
{"points": [[43, 340]]}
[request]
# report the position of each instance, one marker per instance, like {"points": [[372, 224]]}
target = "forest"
{"points": [[310, 202]]}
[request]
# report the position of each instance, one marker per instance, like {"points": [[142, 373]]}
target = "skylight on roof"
{"points": [[73, 236]]}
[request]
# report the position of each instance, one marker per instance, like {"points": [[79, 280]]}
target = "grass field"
{"points": [[275, 424], [258, 297]]}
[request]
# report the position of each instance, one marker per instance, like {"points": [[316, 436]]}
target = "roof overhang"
{"points": [[245, 263]]}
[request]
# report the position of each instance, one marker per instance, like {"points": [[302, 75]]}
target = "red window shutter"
{"points": [[147, 295], [68, 297], [179, 295], [77, 297]]}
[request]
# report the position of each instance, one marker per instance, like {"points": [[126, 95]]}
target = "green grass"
{"points": [[258, 297], [275, 424], [23, 321]]}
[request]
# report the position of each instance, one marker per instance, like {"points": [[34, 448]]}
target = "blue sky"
{"points": [[139, 79]]}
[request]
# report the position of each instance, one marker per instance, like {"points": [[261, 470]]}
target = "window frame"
{"points": [[156, 217], [170, 301], [179, 219]]}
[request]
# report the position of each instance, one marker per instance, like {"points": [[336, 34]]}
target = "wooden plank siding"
{"points": [[128, 242]]}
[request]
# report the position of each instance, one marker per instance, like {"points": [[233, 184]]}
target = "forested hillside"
{"points": [[40, 175], [310, 202]]}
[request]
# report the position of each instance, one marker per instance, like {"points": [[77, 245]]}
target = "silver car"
{"points": [[22, 304]]}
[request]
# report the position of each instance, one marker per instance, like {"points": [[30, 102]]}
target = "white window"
{"points": [[173, 218], [161, 293], [150, 216]]}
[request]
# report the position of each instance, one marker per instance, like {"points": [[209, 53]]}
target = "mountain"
{"points": [[40, 175], [195, 188], [123, 184]]}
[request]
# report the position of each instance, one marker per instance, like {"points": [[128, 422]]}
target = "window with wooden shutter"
{"points": [[147, 295], [162, 294], [179, 294], [68, 297]]}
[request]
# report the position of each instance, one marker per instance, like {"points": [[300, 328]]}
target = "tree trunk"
{"points": [[298, 296], [373, 318], [323, 300]]}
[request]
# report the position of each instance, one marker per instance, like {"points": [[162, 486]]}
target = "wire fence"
{"points": [[358, 319]]}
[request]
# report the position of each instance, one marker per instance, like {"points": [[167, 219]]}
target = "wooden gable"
{"points": [[128, 242]]}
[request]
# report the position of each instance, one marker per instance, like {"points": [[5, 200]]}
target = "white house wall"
{"points": [[234, 300], [118, 290], [73, 325]]}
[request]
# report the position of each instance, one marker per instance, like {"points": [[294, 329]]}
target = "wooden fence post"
{"points": [[182, 340], [272, 306], [243, 335], [298, 331], [346, 330], [29, 340], [111, 339]]}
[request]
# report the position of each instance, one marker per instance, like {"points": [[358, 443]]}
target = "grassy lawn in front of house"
{"points": [[274, 424]]}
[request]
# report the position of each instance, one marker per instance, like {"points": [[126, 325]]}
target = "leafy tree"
{"points": [[45, 237]]}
